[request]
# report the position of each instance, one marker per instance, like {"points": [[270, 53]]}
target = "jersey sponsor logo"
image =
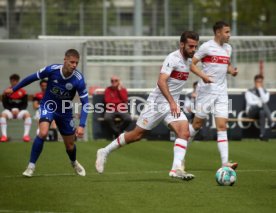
{"points": [[69, 86], [60, 93], [183, 76], [216, 59]]}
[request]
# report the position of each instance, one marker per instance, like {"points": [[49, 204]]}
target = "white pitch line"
{"points": [[25, 211], [130, 173]]}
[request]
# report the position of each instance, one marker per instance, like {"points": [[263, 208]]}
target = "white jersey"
{"points": [[178, 69], [215, 60]]}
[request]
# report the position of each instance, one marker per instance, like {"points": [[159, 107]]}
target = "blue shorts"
{"points": [[64, 122]]}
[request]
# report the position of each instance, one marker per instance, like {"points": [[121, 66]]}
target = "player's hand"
{"points": [[80, 132], [8, 91], [234, 71], [175, 110], [206, 79]]}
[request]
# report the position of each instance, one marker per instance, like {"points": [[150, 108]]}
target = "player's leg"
{"points": [[125, 138], [71, 150], [221, 118], [204, 103], [37, 147], [143, 124], [25, 115], [6, 114], [66, 128], [181, 128], [195, 126]]}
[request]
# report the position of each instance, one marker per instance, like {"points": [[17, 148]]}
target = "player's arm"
{"points": [[26, 81], [83, 115], [232, 70], [42, 73], [163, 86], [198, 72]]}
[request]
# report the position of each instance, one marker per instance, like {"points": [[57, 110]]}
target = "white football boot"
{"points": [[181, 174], [28, 172], [78, 168], [100, 161]]}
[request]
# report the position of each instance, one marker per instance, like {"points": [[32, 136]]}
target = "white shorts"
{"points": [[20, 114], [153, 114], [216, 104]]}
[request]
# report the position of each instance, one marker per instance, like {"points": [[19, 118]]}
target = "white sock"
{"points": [[3, 123], [27, 126], [31, 165], [192, 131], [179, 150], [117, 143], [223, 146]]}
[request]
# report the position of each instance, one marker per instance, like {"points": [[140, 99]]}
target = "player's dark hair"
{"points": [[189, 34], [14, 77], [195, 83], [72, 52], [257, 77], [219, 25], [43, 81]]}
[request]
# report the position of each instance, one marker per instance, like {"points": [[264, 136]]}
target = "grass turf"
{"points": [[136, 180]]}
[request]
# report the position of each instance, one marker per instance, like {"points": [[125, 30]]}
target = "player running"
{"points": [[63, 82], [163, 105], [212, 97]]}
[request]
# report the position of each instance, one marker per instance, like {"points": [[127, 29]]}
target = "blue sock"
{"points": [[72, 153], [36, 149]]}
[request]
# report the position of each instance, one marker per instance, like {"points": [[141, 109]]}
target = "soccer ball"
{"points": [[226, 176]]}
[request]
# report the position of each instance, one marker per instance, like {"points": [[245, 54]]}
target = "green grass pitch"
{"points": [[136, 180]]}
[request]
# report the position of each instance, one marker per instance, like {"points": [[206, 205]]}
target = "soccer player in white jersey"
{"points": [[163, 105], [212, 97]]}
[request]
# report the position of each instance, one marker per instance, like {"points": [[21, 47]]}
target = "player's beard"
{"points": [[187, 54]]}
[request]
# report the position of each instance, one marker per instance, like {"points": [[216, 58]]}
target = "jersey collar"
{"points": [[65, 78]]}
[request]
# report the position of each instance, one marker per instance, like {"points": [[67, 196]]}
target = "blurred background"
{"points": [[30, 18], [131, 38], [126, 56]]}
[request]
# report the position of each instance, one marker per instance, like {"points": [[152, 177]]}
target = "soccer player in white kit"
{"points": [[162, 105], [212, 97]]}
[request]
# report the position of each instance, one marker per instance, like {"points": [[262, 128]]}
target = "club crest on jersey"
{"points": [[214, 59], [69, 86]]}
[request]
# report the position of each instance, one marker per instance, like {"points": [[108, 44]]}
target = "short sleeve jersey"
{"points": [[178, 69], [215, 60]]}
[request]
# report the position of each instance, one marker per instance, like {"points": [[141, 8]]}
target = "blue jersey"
{"points": [[60, 88], [60, 91]]}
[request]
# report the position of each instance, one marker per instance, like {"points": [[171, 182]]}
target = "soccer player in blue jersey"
{"points": [[63, 83]]}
